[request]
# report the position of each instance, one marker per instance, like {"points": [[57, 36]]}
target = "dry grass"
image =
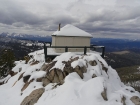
{"points": [[130, 76], [121, 52]]}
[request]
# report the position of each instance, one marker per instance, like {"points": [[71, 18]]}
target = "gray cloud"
{"points": [[120, 21], [12, 13], [117, 19]]}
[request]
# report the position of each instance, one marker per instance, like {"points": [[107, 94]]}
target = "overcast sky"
{"points": [[101, 18]]}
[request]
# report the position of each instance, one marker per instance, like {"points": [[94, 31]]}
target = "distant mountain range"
{"points": [[110, 44], [43, 38], [117, 44]]}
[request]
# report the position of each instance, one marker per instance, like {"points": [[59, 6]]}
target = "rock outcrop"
{"points": [[55, 75], [26, 85], [86, 77], [93, 63], [33, 97], [123, 100], [135, 100], [12, 73], [104, 94]]}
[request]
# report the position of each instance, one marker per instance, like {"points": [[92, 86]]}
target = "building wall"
{"points": [[70, 41], [53, 40]]}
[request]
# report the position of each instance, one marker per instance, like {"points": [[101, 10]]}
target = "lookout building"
{"points": [[70, 35]]}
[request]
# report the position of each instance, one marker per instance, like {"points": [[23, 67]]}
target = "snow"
{"points": [[32, 70], [62, 57], [37, 55], [70, 30], [138, 68], [79, 62], [37, 74], [74, 91], [28, 44]]}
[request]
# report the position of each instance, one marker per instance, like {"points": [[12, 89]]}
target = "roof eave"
{"points": [[71, 36]]}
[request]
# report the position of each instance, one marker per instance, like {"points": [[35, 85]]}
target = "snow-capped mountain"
{"points": [[44, 38], [18, 35]]}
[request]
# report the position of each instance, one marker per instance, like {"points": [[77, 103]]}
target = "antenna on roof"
{"points": [[59, 27]]}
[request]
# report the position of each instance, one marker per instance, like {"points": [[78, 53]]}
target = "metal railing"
{"points": [[92, 47]]}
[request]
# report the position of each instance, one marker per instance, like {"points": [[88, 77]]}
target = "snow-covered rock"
{"points": [[69, 79], [33, 97]]}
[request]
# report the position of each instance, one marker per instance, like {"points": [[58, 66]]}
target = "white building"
{"points": [[70, 35]]}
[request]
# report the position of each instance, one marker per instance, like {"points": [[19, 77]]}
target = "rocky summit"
{"points": [[69, 79]]}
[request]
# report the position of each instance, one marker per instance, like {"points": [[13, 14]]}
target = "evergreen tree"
{"points": [[7, 59]]}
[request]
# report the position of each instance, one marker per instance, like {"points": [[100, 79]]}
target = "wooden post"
{"points": [[103, 52], [45, 52], [50, 44], [85, 50], [66, 49]]}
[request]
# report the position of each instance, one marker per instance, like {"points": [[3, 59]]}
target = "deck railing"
{"points": [[92, 47]]}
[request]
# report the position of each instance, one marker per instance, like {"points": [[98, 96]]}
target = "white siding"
{"points": [[70, 41], [81, 41], [53, 40]]}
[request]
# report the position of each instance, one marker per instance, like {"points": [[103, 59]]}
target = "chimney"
{"points": [[59, 27]]}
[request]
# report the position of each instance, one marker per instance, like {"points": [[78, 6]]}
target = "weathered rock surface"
{"points": [[21, 76], [104, 94], [67, 68], [135, 100], [56, 71], [14, 83], [60, 76], [94, 75], [50, 65], [78, 70], [44, 66], [20, 69], [93, 63], [123, 100], [1, 83], [33, 97], [26, 85], [103, 67], [12, 73], [36, 62], [39, 80], [26, 78], [55, 75], [45, 81], [27, 58]]}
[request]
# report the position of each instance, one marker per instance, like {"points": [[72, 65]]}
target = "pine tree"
{"points": [[7, 59]]}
